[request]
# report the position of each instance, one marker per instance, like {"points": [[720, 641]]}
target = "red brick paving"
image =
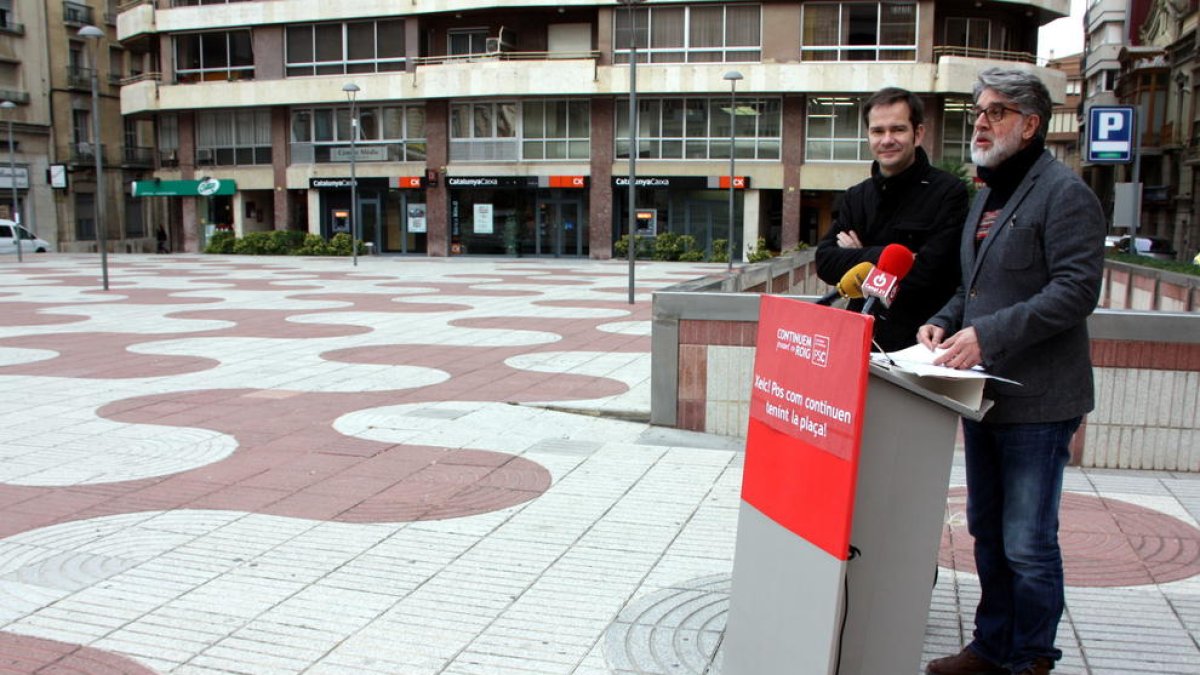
{"points": [[1105, 542]]}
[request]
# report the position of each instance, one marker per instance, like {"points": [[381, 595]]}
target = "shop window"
{"points": [[341, 48], [835, 131], [227, 138], [698, 128], [202, 57], [134, 223], [859, 31], [386, 133], [720, 33]]}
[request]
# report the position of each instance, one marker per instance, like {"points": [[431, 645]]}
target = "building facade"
{"points": [[1063, 135], [487, 126]]}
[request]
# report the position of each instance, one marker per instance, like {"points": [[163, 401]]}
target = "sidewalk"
{"points": [[285, 465]]}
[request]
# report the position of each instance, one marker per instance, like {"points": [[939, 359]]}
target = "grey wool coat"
{"points": [[1028, 291]]}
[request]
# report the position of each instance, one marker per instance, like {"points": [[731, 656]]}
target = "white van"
{"points": [[29, 243]]}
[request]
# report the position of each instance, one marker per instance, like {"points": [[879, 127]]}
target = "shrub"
{"points": [[760, 252], [255, 243], [313, 244], [645, 246], [692, 255], [667, 246], [720, 251], [222, 241], [340, 244]]}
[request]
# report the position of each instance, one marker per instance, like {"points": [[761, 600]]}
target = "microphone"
{"points": [[894, 263], [850, 285]]}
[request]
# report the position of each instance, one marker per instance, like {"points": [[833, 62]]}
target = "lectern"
{"points": [[837, 537]]}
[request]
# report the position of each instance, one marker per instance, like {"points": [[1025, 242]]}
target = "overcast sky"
{"points": [[1064, 36]]}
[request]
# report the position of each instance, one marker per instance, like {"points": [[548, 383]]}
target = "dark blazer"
{"points": [[1028, 292], [922, 208]]}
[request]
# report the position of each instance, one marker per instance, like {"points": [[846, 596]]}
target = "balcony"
{"points": [[79, 78], [77, 14], [989, 54], [85, 153], [18, 97], [7, 25], [137, 157]]}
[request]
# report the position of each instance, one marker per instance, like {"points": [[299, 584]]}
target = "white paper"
{"points": [[918, 360]]}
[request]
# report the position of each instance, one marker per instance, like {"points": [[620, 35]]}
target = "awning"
{"points": [[183, 188]]}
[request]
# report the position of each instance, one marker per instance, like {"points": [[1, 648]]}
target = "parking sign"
{"points": [[1110, 134]]}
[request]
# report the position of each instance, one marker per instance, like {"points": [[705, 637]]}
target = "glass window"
{"points": [[698, 128], [340, 48], [555, 129], [201, 57], [385, 133], [712, 33], [834, 130], [859, 31], [233, 137], [957, 126]]}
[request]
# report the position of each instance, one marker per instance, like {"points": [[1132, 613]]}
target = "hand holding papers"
{"points": [[916, 364], [918, 360]]}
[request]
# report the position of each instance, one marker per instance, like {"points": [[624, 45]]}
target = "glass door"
{"points": [[560, 228]]}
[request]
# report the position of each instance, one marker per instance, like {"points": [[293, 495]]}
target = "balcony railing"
{"points": [[141, 77], [976, 53], [18, 97], [85, 153], [76, 13], [134, 156], [505, 56], [7, 25], [168, 159], [79, 78]]}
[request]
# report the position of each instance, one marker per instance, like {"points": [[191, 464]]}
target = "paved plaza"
{"points": [[283, 465]]}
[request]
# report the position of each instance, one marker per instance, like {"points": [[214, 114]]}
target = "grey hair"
{"points": [[1023, 88]]}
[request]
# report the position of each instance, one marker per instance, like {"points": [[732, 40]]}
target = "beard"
{"points": [[1002, 148]]}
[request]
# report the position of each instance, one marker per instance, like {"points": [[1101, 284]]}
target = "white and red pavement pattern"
{"points": [[270, 465], [274, 465]]}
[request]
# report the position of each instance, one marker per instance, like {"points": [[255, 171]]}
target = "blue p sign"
{"points": [[1110, 134]]}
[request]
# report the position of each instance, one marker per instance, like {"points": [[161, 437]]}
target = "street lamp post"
{"points": [[8, 107], [351, 90], [733, 76], [94, 35], [633, 137]]}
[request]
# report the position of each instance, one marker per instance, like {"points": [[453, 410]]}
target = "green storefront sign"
{"points": [[183, 188]]}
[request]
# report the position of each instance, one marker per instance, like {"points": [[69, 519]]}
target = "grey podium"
{"points": [[795, 609]]}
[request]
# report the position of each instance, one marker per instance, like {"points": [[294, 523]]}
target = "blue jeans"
{"points": [[1014, 485]]}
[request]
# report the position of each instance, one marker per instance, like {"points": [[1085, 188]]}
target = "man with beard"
{"points": [[905, 201], [1032, 256]]}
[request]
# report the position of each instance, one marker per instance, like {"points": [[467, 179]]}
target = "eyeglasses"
{"points": [[995, 112]]}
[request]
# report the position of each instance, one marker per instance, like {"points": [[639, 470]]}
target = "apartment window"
{"points": [[465, 41], [1073, 88], [351, 47], [81, 126], [957, 127], [231, 137], [385, 133], [698, 128], [484, 131], [718, 33], [6, 15], [555, 130], [835, 131], [85, 216], [201, 57], [859, 31], [974, 35]]}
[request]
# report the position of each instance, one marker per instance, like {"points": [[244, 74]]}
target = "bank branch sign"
{"points": [[1110, 134]]}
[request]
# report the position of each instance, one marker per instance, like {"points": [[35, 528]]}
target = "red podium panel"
{"points": [[806, 409]]}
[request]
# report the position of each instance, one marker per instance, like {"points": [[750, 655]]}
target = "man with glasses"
{"points": [[1032, 256], [905, 201]]}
